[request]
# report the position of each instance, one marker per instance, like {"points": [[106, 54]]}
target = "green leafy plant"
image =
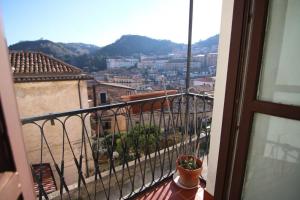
{"points": [[143, 138], [189, 163], [138, 141]]}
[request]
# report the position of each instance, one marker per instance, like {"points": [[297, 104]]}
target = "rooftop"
{"points": [[36, 66], [95, 82], [116, 85], [206, 79]]}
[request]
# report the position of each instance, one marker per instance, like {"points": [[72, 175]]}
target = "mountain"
{"points": [[92, 58], [130, 45], [207, 46], [56, 49], [77, 54], [80, 48]]}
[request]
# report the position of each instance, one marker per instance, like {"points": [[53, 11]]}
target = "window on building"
{"points": [[103, 98], [43, 172], [107, 125]]}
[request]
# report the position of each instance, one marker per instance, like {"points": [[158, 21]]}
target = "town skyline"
{"points": [[79, 42]]}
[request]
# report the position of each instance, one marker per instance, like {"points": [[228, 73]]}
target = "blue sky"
{"points": [[101, 22]]}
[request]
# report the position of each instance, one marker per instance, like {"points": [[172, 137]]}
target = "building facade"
{"points": [[46, 85], [101, 93]]}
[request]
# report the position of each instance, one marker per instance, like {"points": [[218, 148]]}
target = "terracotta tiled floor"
{"points": [[168, 190]]}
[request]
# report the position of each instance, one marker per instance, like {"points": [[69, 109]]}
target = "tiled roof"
{"points": [[92, 83], [36, 66], [116, 85]]}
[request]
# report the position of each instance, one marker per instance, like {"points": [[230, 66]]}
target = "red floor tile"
{"points": [[168, 190]]}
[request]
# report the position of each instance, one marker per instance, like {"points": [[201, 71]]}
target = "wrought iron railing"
{"points": [[115, 151]]}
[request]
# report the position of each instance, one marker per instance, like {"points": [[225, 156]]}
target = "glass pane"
{"points": [[280, 82], [273, 166]]}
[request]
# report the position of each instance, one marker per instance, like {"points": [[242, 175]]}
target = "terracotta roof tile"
{"points": [[36, 66]]}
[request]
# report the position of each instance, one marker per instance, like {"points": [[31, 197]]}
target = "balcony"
{"points": [[254, 141], [116, 151]]}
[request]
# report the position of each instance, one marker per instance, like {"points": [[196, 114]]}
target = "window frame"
{"points": [[240, 105], [100, 97]]}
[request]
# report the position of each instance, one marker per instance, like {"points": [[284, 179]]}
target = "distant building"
{"points": [[133, 82], [101, 93], [104, 92], [212, 69], [212, 59], [45, 85], [205, 81], [151, 62], [179, 63], [121, 62]]}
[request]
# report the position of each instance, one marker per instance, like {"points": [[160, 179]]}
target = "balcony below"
{"points": [[125, 150]]}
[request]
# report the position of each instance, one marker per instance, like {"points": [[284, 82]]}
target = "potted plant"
{"points": [[189, 169]]}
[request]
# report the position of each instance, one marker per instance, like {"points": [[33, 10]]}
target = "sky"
{"points": [[102, 22]]}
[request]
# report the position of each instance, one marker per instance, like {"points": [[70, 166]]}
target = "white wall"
{"points": [[224, 42]]}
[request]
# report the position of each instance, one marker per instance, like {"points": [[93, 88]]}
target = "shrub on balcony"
{"points": [[138, 141], [142, 139]]}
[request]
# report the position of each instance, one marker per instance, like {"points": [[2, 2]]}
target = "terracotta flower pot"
{"points": [[137, 108], [188, 178]]}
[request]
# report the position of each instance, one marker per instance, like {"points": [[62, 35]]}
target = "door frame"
{"points": [[232, 102], [12, 122]]}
